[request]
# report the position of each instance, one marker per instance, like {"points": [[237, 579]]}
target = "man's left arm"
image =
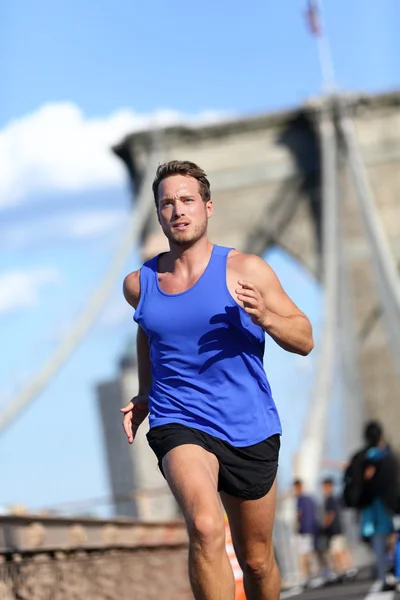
{"points": [[270, 307]]}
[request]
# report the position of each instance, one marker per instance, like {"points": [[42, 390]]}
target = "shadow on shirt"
{"points": [[231, 340]]}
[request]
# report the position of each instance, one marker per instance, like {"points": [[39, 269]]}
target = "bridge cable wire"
{"points": [[383, 263], [138, 218], [309, 457]]}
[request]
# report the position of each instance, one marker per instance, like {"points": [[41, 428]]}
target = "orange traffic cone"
{"points": [[237, 571]]}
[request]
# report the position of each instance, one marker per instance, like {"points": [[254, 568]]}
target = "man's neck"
{"points": [[189, 257]]}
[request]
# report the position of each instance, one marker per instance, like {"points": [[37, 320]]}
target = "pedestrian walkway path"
{"points": [[356, 590]]}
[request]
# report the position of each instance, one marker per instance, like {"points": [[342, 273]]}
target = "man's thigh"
{"points": [[251, 523], [192, 474]]}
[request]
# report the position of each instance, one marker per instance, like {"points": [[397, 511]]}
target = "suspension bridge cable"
{"points": [[137, 220], [383, 263]]}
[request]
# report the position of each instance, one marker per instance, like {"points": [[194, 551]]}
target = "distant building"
{"points": [[138, 488]]}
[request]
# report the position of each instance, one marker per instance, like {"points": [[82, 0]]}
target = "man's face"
{"points": [[182, 213], [327, 489], [298, 489]]}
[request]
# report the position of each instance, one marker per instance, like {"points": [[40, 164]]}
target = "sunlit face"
{"points": [[182, 213]]}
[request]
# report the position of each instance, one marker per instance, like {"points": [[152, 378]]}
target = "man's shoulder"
{"points": [[131, 288], [132, 279], [249, 260], [248, 265]]}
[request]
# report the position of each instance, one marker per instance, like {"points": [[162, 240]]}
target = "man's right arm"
{"points": [[131, 290], [137, 410]]}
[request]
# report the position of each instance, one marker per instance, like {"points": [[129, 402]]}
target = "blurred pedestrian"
{"points": [[331, 528], [307, 529], [372, 486]]}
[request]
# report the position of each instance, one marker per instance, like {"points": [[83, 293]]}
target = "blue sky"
{"points": [[76, 78]]}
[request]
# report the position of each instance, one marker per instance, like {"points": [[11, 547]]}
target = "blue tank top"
{"points": [[207, 357]]}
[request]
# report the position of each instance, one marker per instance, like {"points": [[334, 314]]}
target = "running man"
{"points": [[203, 311]]}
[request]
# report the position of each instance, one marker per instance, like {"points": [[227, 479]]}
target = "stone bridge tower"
{"points": [[266, 185]]}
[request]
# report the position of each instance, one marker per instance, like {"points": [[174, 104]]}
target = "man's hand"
{"points": [[253, 302], [135, 413]]}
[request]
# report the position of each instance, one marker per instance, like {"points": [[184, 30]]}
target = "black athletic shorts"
{"points": [[247, 472]]}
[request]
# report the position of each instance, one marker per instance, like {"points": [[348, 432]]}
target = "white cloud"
{"points": [[58, 148], [20, 289], [64, 226], [94, 223]]}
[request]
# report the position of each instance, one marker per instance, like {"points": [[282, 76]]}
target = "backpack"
{"points": [[353, 481]]}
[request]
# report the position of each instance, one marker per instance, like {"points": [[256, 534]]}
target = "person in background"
{"points": [[372, 487], [337, 549], [307, 528], [379, 497]]}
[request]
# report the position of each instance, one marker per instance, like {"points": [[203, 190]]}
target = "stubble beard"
{"points": [[193, 236]]}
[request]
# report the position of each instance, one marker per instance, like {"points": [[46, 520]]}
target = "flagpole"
{"points": [[324, 50]]}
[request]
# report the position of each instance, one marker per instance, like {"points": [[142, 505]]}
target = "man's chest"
{"points": [[174, 284]]}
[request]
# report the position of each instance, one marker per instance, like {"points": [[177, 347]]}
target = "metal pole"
{"points": [[325, 54]]}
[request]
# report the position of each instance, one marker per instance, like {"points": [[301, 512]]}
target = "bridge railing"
{"points": [[35, 533], [52, 558]]}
